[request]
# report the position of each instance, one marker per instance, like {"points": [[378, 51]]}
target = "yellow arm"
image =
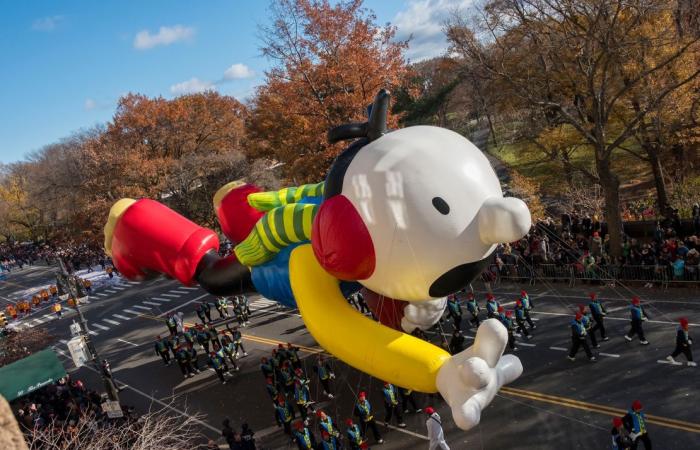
{"points": [[382, 352]]}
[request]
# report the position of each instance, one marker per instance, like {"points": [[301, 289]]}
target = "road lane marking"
{"points": [[561, 349], [179, 292], [612, 355], [119, 316], [602, 409], [119, 288], [101, 327], [101, 294], [525, 344], [130, 311], [93, 333], [145, 308], [161, 299], [127, 342], [673, 363], [111, 322], [182, 305], [189, 288], [170, 295], [408, 432], [110, 291], [152, 303]]}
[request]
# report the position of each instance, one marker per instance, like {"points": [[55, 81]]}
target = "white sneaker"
{"points": [[571, 358], [644, 342], [670, 358], [692, 363], [330, 396], [628, 339]]}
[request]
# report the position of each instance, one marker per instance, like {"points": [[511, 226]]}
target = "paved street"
{"points": [[556, 403]]}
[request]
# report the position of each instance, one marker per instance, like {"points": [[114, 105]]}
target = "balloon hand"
{"points": [[469, 380]]}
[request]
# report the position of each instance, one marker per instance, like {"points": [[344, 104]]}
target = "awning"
{"points": [[29, 374]]}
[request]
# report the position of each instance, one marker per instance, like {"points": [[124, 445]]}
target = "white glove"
{"points": [[469, 380], [634, 436], [422, 315]]}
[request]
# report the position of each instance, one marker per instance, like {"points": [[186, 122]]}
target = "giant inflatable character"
{"points": [[411, 215]]}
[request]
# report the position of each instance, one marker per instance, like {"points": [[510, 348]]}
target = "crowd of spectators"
{"points": [[77, 255], [580, 243]]}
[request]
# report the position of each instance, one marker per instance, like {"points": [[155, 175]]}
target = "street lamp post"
{"points": [[112, 391]]}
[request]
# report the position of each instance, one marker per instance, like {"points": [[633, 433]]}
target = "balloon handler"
{"points": [[408, 216]]}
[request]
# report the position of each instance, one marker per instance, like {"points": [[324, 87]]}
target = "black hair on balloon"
{"points": [[373, 129]]}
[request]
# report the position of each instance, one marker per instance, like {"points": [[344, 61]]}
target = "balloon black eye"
{"points": [[441, 205]]}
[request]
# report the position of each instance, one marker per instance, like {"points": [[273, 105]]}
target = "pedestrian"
{"points": [[230, 351], [199, 309], [473, 308], [363, 409], [240, 311], [271, 389], [162, 350], [182, 356], [578, 338], [683, 343], [203, 338], [287, 378], [179, 322], [391, 405], [505, 318], [457, 342], [520, 319], [587, 322], [454, 311], [303, 437], [266, 368], [246, 305], [491, 306], [222, 307], [326, 424], [171, 323], [302, 398], [354, 435], [293, 355], [237, 338], [217, 363], [192, 358], [325, 375], [528, 306], [636, 424], [435, 434], [638, 315], [248, 437], [329, 442], [406, 398], [620, 437], [57, 309], [213, 335], [284, 414], [598, 313], [228, 433]]}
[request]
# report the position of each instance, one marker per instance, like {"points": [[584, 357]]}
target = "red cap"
{"points": [[617, 422], [299, 425], [684, 322], [490, 296], [470, 295], [362, 394], [523, 293], [592, 295], [319, 412], [509, 313], [635, 300], [429, 410], [348, 422], [582, 308], [518, 302], [501, 309], [386, 384], [579, 316], [280, 346], [636, 405]]}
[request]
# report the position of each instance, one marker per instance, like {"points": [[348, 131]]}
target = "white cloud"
{"points": [[192, 86], [423, 23], [238, 71], [165, 36], [47, 23], [90, 104]]}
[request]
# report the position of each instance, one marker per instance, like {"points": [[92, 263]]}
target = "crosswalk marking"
{"points": [[38, 321], [63, 341], [525, 344], [49, 316], [110, 291], [111, 322], [146, 308], [130, 311], [179, 292], [119, 288], [189, 288], [170, 295], [101, 327], [119, 316], [101, 294], [151, 303], [561, 349], [93, 333], [612, 355], [159, 299]]}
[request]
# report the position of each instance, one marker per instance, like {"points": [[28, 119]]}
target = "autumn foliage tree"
{"points": [[329, 61]]}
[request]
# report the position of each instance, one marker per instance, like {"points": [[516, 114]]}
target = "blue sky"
{"points": [[66, 63]]}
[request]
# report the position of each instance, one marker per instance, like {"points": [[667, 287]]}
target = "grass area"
{"points": [[549, 174]]}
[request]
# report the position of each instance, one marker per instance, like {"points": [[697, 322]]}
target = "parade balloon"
{"points": [[408, 216]]}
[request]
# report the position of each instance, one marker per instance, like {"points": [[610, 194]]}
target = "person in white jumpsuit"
{"points": [[435, 434]]}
